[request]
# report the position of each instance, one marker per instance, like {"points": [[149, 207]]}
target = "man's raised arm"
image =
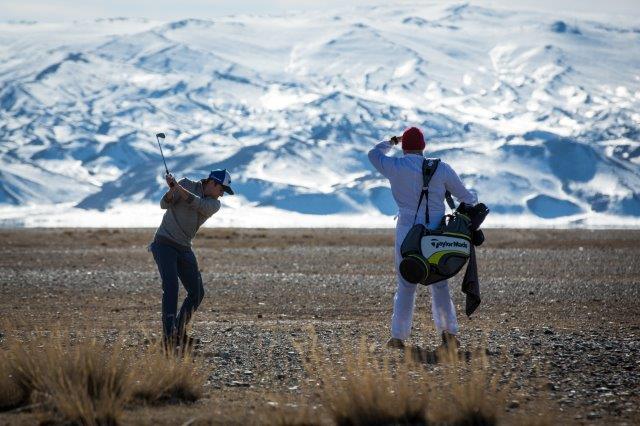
{"points": [[378, 157], [203, 206]]}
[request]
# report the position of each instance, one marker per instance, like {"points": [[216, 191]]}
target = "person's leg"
{"points": [[442, 308], [166, 258], [404, 300], [192, 282]]}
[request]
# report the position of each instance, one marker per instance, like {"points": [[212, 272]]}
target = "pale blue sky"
{"points": [[65, 10]]}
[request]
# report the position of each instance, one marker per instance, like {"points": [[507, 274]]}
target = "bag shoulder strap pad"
{"points": [[429, 167]]}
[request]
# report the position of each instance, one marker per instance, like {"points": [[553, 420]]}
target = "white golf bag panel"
{"points": [[437, 245]]}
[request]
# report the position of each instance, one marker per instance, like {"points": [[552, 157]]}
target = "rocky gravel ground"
{"points": [[559, 317]]}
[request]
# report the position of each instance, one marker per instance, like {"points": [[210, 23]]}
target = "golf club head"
{"points": [[160, 135]]}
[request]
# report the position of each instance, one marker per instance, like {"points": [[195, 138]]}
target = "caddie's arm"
{"points": [[204, 206], [379, 159], [454, 185]]}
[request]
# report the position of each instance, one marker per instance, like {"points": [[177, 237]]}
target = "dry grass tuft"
{"points": [[161, 377], [465, 393], [366, 387], [82, 381], [83, 384], [12, 395], [367, 393]]}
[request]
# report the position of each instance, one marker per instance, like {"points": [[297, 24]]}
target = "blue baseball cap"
{"points": [[223, 178]]}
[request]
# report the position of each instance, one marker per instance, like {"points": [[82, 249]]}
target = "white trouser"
{"points": [[442, 309]]}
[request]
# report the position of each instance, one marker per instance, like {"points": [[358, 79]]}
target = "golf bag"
{"points": [[432, 255]]}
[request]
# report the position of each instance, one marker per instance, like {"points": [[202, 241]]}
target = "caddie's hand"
{"points": [[395, 140], [171, 181]]}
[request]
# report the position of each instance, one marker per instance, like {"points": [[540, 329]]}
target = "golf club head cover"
{"points": [[476, 214], [477, 237]]}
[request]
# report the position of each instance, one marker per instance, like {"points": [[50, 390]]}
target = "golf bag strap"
{"points": [[429, 167], [447, 196]]}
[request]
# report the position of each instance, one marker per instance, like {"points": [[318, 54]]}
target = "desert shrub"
{"points": [[12, 395], [464, 393], [166, 377], [84, 384], [90, 383], [365, 387], [369, 394]]}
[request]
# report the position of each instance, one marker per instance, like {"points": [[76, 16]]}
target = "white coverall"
{"points": [[405, 175]]}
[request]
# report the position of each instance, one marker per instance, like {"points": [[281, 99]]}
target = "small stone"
{"points": [[514, 404], [548, 331], [592, 415], [259, 315]]}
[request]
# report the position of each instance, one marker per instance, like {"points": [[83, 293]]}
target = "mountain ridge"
{"points": [[535, 112]]}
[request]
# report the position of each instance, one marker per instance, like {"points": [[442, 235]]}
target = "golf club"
{"points": [[158, 137]]}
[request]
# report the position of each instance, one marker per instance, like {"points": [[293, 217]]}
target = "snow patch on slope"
{"points": [[538, 113]]}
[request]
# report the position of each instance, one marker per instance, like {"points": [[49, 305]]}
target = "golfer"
{"points": [[188, 205], [405, 176]]}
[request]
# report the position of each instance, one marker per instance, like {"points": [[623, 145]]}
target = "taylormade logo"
{"points": [[448, 244]]}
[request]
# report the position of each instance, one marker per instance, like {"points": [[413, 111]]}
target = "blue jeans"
{"points": [[174, 263]]}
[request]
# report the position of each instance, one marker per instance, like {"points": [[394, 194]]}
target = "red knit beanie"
{"points": [[413, 140]]}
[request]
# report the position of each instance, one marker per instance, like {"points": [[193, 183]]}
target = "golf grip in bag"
{"points": [[432, 255]]}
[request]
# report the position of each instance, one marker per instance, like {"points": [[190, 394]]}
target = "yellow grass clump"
{"points": [[84, 381], [12, 395], [362, 386], [163, 377]]}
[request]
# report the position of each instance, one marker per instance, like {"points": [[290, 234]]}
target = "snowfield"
{"points": [[536, 112]]}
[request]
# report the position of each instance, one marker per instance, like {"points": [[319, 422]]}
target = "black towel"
{"points": [[470, 284]]}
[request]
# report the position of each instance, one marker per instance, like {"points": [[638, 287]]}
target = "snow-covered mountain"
{"points": [[539, 113]]}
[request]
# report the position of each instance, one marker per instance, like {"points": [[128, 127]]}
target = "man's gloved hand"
{"points": [[171, 181], [395, 140]]}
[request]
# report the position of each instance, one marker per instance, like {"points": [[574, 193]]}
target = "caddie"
{"points": [[405, 176], [188, 205]]}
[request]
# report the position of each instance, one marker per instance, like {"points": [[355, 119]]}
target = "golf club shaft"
{"points": [[161, 153]]}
